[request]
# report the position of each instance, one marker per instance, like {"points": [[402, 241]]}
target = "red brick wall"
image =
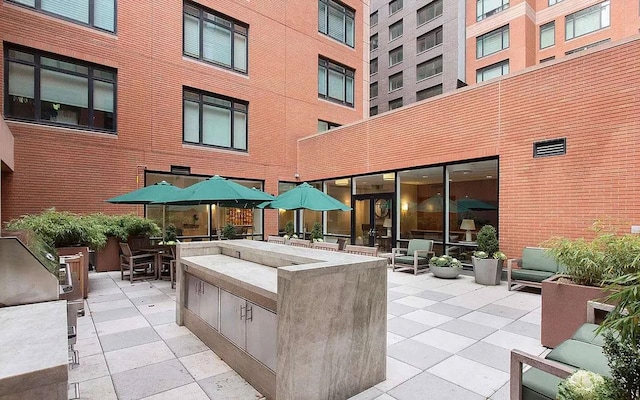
{"points": [[76, 170], [592, 100]]}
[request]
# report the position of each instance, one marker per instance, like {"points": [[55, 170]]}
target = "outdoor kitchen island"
{"points": [[296, 323]]}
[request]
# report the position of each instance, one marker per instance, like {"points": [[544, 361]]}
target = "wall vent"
{"points": [[181, 170], [547, 148]]}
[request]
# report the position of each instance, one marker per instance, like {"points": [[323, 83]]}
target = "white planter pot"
{"points": [[487, 271], [445, 272]]}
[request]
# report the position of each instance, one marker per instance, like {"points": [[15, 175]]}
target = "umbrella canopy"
{"points": [[476, 205], [436, 204], [307, 197], [216, 190], [146, 195]]}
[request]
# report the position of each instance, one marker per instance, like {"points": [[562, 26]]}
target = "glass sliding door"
{"points": [[373, 221]]}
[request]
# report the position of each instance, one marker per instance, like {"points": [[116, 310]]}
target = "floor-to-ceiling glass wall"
{"points": [[338, 223], [374, 211], [201, 221], [310, 217], [287, 220]]}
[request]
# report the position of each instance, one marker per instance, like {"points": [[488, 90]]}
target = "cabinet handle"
{"points": [[243, 316], [202, 287], [249, 310]]}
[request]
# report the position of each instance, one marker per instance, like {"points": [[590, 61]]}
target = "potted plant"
{"points": [[229, 231], [587, 264], [316, 233], [488, 270], [445, 267]]}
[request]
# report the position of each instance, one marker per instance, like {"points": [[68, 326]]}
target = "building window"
{"points": [[395, 56], [547, 35], [212, 120], [429, 12], [97, 14], [373, 111], [544, 60], [395, 30], [486, 8], [552, 2], [588, 20], [56, 90], [373, 66], [397, 103], [373, 19], [429, 40], [429, 68], [429, 92], [590, 45], [395, 82], [335, 82], [337, 21], [395, 6], [326, 125], [215, 38], [492, 42], [492, 71], [373, 90], [374, 42]]}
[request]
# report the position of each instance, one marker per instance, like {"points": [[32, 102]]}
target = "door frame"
{"points": [[372, 197]]}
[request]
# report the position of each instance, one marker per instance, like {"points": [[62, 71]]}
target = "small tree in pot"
{"points": [[487, 260], [229, 231], [316, 232]]}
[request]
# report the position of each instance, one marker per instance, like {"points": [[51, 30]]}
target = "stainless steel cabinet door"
{"points": [[193, 294], [262, 332], [232, 315], [209, 304]]}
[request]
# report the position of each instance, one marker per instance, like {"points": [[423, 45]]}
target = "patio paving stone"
{"points": [[121, 325], [171, 330], [186, 344], [471, 375], [110, 305], [130, 338], [105, 297], [98, 388], [534, 317], [406, 289], [503, 311], [427, 317], [417, 354], [110, 315], [414, 301], [398, 309], [492, 321], [90, 367], [151, 379], [161, 318], [146, 300], [448, 310], [88, 346], [228, 386], [488, 354], [369, 394], [444, 340], [394, 295], [524, 328], [522, 300], [147, 292], [137, 356], [511, 341], [436, 296], [405, 327], [468, 329], [397, 372], [192, 391], [204, 365], [429, 386], [392, 338], [502, 394]]}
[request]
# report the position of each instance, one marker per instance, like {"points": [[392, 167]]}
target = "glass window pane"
{"points": [[191, 35], [103, 96], [336, 24], [77, 10], [240, 130], [547, 35], [191, 120], [51, 62], [216, 44], [322, 80], [240, 53], [350, 31], [58, 87], [336, 85], [30, 3], [216, 126], [349, 90], [322, 17], [104, 14], [21, 80]]}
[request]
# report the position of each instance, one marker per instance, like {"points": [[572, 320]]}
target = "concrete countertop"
{"points": [[33, 346]]}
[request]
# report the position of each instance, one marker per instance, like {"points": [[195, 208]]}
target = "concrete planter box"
{"points": [[108, 258], [445, 272], [564, 309], [487, 271]]}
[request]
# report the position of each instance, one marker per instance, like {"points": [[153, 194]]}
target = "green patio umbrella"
{"points": [[219, 191], [147, 195], [306, 197], [476, 205]]}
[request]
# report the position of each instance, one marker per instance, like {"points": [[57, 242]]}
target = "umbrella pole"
{"points": [[218, 231], [164, 237]]}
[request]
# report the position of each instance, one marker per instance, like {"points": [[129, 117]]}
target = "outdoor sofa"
{"points": [[535, 266]]}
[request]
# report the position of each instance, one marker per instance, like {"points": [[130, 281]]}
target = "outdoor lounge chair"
{"points": [[416, 256]]}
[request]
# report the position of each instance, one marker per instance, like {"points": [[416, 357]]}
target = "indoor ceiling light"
{"points": [[342, 182], [389, 177]]}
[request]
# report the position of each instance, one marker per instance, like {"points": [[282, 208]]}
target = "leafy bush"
{"points": [[316, 232], [289, 228], [170, 233], [445, 261], [488, 239], [229, 231], [587, 385]]}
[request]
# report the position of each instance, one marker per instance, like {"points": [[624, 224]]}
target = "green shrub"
{"points": [[445, 261], [488, 239], [316, 232], [587, 385], [170, 233], [229, 231], [289, 228]]}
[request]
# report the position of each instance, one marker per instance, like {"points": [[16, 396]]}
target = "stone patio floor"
{"points": [[447, 339]]}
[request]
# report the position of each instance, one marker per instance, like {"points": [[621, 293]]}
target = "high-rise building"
{"points": [[505, 36], [416, 51]]}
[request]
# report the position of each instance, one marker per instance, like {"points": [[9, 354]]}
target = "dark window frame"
{"points": [[328, 64], [432, 60], [399, 23], [393, 52], [372, 85], [433, 5], [482, 14], [393, 4], [371, 63], [498, 31], [436, 33], [500, 64], [90, 24], [348, 12], [376, 41], [373, 110], [436, 88], [546, 27], [394, 77], [394, 101], [38, 67], [572, 17], [235, 27], [233, 108], [330, 125]]}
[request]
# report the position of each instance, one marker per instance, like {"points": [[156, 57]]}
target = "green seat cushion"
{"points": [[581, 355], [409, 260], [530, 275], [539, 385], [537, 259], [587, 333], [419, 244]]}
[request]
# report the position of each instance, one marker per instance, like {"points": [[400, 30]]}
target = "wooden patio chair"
{"points": [[299, 243], [275, 239], [326, 246], [138, 264], [362, 250]]}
